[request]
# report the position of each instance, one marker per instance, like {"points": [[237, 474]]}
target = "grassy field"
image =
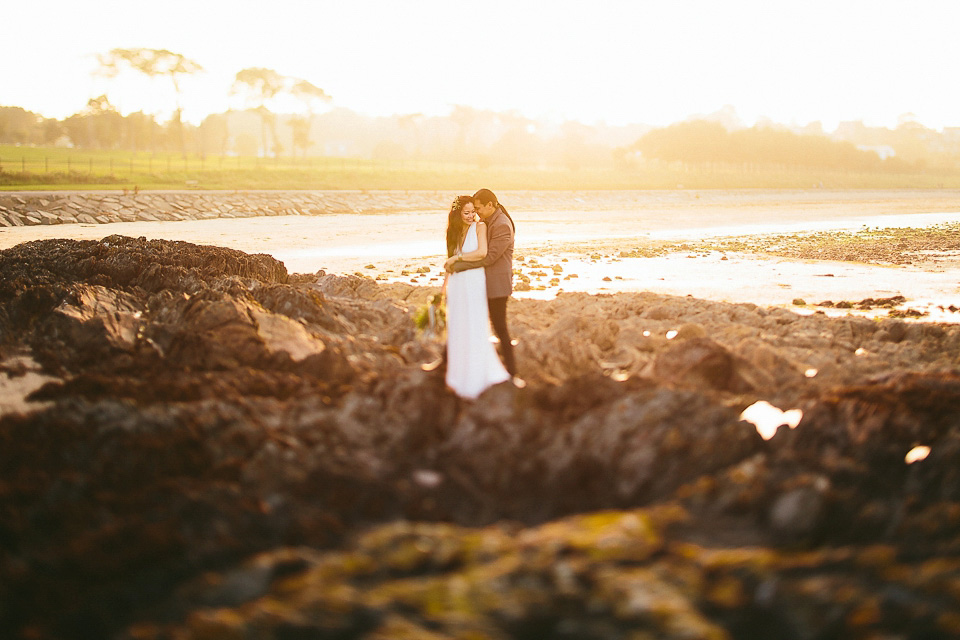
{"points": [[37, 168]]}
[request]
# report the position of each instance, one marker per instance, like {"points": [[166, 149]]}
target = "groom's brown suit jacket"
{"points": [[498, 262]]}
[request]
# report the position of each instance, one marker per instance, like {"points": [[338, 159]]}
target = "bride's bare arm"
{"points": [[481, 251]]}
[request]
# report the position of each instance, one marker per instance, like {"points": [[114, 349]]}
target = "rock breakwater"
{"points": [[662, 208], [48, 208], [224, 449]]}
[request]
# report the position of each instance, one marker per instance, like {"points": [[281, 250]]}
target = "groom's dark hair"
{"points": [[485, 196]]}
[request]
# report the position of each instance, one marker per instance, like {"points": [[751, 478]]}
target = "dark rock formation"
{"points": [[232, 451]]}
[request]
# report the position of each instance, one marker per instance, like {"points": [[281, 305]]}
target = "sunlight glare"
{"points": [[767, 418], [917, 454]]}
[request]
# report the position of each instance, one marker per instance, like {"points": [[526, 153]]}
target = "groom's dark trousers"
{"points": [[498, 318]]}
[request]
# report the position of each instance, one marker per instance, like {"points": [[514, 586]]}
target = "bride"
{"points": [[472, 361]]}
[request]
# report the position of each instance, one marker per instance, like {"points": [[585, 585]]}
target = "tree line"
{"points": [[701, 142], [100, 126], [473, 135]]}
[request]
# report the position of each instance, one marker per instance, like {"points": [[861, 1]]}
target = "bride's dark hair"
{"points": [[455, 224]]}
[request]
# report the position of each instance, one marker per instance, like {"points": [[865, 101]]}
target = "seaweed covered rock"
{"points": [[606, 575], [220, 449]]}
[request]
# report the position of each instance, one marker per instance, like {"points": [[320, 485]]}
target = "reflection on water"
{"points": [[541, 230], [314, 258], [386, 250], [935, 295]]}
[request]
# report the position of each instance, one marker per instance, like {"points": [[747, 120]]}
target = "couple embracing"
{"points": [[478, 283]]}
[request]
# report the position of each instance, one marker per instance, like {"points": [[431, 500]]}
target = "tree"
{"points": [[51, 131], [153, 63], [411, 122], [464, 117], [702, 143], [260, 87], [911, 140], [575, 146], [214, 134], [98, 126], [309, 95], [141, 131], [17, 125], [692, 141], [300, 132], [518, 142]]}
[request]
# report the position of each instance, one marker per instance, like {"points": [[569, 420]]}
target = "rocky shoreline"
{"points": [[222, 449]]}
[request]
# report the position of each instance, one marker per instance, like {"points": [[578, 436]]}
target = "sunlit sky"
{"points": [[610, 61]]}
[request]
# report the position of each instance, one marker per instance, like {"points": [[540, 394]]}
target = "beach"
{"points": [[224, 428]]}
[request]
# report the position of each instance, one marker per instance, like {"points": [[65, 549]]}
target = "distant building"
{"points": [[883, 150]]}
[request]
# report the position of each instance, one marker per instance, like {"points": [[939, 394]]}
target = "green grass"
{"points": [[37, 168]]}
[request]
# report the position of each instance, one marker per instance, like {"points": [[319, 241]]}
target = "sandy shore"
{"points": [[586, 242]]}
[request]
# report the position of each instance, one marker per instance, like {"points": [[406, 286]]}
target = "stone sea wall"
{"points": [[100, 207], [20, 209]]}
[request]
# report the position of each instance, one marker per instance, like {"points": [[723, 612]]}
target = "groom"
{"points": [[498, 265]]}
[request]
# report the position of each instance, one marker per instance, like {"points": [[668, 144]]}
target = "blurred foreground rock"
{"points": [[223, 449]]}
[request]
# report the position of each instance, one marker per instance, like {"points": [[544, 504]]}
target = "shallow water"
{"points": [[735, 277], [418, 240]]}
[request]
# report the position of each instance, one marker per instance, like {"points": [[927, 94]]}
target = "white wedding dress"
{"points": [[472, 361]]}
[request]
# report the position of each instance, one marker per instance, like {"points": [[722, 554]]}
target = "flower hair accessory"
{"points": [[455, 205]]}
